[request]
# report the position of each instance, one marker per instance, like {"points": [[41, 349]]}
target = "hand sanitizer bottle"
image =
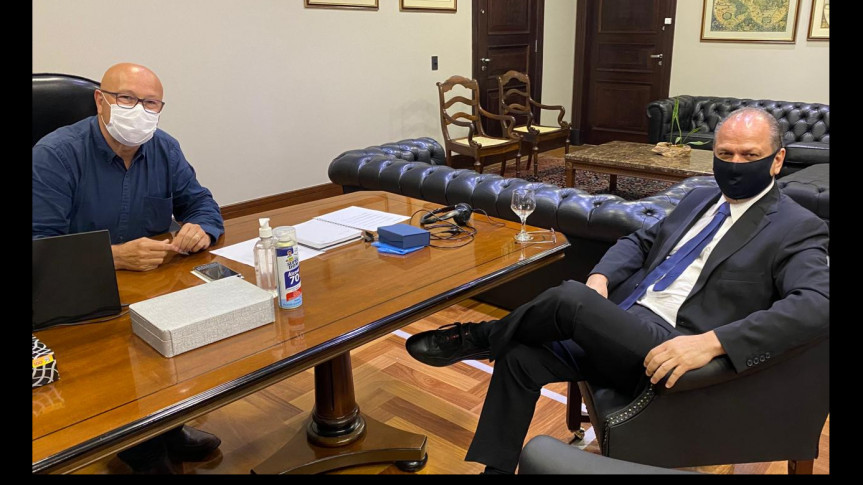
{"points": [[288, 267], [265, 258]]}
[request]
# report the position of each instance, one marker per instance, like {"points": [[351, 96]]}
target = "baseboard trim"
{"points": [[277, 201]]}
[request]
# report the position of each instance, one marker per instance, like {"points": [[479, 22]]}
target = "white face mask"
{"points": [[132, 127]]}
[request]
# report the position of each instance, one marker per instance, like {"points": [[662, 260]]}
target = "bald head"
{"points": [[754, 120], [132, 78]]}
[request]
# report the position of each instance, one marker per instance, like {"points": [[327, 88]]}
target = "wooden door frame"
{"points": [[579, 86], [535, 81]]}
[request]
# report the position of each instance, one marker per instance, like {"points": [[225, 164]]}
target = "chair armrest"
{"points": [[560, 109], [546, 106], [716, 371], [803, 154], [659, 117], [544, 455], [489, 114], [720, 370], [506, 120], [509, 109]]}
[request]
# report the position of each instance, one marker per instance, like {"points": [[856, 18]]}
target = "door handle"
{"points": [[485, 61], [656, 56]]}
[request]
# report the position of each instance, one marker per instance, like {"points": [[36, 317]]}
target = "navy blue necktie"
{"points": [[668, 271]]}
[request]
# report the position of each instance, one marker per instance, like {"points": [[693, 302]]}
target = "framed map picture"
{"points": [[819, 21], [771, 21]]}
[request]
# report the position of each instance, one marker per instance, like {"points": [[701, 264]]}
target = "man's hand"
{"points": [[191, 239], [681, 354], [142, 254], [598, 283]]}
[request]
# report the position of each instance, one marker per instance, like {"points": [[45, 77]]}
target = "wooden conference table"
{"points": [[115, 390]]}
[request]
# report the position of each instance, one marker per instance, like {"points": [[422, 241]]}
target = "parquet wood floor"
{"points": [[442, 403]]}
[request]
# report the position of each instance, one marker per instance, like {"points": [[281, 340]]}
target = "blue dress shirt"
{"points": [[80, 185]]}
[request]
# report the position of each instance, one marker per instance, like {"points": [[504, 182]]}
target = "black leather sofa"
{"points": [[805, 126], [592, 223]]}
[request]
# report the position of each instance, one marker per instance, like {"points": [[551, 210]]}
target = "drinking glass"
{"points": [[523, 204]]}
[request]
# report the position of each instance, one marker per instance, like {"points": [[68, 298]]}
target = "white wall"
{"points": [[558, 57], [784, 72], [263, 94]]}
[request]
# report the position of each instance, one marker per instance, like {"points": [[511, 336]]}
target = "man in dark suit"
{"points": [[754, 287]]}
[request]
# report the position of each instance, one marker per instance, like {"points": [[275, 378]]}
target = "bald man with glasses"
{"points": [[117, 171]]}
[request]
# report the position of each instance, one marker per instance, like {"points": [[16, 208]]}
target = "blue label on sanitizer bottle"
{"points": [[288, 266]]}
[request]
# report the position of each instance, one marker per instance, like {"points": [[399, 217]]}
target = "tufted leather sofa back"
{"points": [[415, 150], [591, 223], [804, 122], [574, 212], [805, 127]]}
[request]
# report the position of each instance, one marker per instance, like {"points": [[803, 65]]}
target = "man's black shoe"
{"points": [[189, 444], [447, 345]]}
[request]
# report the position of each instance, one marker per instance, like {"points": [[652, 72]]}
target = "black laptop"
{"points": [[73, 279]]}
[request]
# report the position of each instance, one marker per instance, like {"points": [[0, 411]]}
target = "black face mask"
{"points": [[743, 180]]}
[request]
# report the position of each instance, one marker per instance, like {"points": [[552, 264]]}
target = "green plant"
{"points": [[680, 140]]}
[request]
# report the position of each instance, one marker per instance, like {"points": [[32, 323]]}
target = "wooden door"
{"points": [[623, 55], [507, 34]]}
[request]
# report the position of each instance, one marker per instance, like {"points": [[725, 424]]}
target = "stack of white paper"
{"points": [[318, 234]]}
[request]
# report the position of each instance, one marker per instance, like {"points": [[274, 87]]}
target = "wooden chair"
{"points": [[477, 146], [515, 100]]}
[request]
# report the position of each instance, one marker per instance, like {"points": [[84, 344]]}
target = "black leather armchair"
{"points": [[805, 126], [713, 415], [60, 100], [544, 455]]}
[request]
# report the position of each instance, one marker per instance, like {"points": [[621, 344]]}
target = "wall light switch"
{"points": [[434, 63]]}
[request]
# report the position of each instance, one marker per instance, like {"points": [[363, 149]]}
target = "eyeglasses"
{"points": [[128, 101]]}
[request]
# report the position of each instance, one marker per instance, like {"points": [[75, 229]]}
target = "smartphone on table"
{"points": [[214, 271]]}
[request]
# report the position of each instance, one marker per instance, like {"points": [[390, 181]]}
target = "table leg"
{"points": [[569, 174], [612, 183], [338, 435]]}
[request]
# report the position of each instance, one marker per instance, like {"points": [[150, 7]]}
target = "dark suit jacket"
{"points": [[765, 287]]}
